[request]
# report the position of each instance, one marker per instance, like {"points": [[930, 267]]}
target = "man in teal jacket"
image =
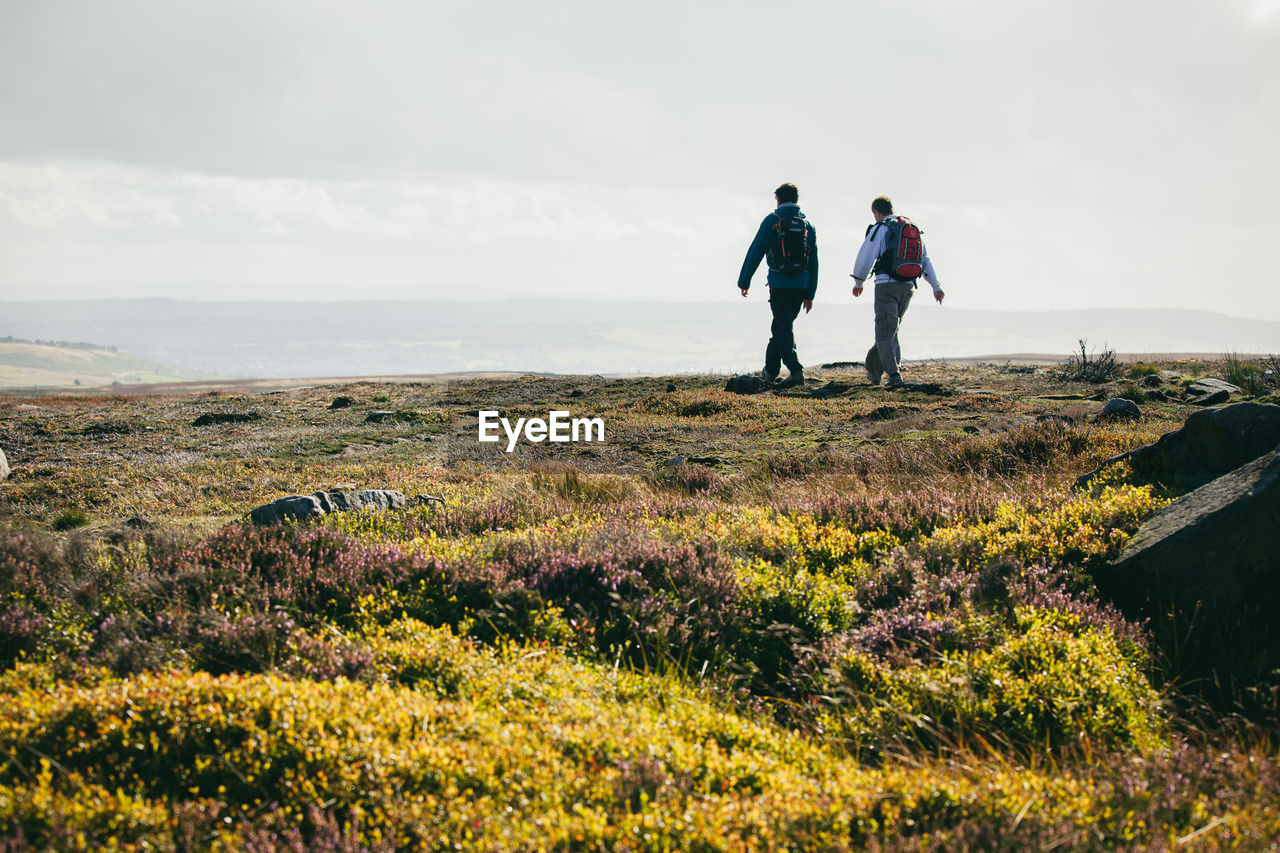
{"points": [[790, 243]]}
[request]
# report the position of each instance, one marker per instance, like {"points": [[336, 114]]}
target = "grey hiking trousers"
{"points": [[891, 301]]}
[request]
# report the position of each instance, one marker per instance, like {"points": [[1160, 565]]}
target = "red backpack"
{"points": [[903, 257]]}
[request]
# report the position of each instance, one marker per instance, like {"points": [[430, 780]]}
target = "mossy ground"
{"points": [[856, 619]]}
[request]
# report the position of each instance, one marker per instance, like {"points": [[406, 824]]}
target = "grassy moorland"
{"points": [[859, 619]]}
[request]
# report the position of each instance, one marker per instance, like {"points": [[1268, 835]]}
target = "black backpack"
{"points": [[789, 251], [903, 257]]}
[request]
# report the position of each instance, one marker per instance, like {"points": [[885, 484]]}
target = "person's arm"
{"points": [[931, 276], [755, 254], [813, 266], [871, 248]]}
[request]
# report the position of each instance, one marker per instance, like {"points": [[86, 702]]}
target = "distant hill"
{"points": [[379, 338], [24, 364]]}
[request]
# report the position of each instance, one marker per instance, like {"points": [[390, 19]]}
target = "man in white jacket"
{"points": [[893, 291]]}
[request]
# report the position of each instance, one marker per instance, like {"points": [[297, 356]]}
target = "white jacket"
{"points": [[873, 248]]}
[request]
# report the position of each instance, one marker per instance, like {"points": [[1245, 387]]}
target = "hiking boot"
{"points": [[875, 370], [895, 381], [767, 376], [794, 378]]}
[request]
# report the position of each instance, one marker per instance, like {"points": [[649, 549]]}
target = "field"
{"points": [[46, 364], [834, 618]]}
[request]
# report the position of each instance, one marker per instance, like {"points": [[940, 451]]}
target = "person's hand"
{"points": [[857, 289], [744, 292], [808, 305], [938, 294]]}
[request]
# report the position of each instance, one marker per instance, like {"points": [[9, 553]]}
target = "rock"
{"points": [[889, 412], [1211, 559], [1214, 398], [931, 388], [427, 500], [831, 389], [1211, 386], [292, 506], [322, 503], [705, 460], [971, 429], [342, 402], [1152, 380], [671, 386], [1054, 418], [138, 523], [4, 466], [378, 416], [674, 462], [577, 392], [1211, 443], [1156, 395], [365, 499], [747, 383], [1119, 408], [210, 418]]}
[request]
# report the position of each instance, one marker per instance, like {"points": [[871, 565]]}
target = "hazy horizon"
{"points": [[556, 335]]}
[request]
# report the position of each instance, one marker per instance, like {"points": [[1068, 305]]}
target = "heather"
{"points": [[836, 623]]}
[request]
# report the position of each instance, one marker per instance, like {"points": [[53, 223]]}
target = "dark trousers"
{"points": [[785, 302]]}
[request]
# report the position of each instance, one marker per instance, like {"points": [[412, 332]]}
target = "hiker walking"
{"points": [[790, 243], [895, 252]]}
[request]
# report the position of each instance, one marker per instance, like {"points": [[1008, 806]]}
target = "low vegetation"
{"points": [[858, 621]]}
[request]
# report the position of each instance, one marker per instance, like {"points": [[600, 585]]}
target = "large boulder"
{"points": [[4, 466], [1206, 570], [1210, 444]]}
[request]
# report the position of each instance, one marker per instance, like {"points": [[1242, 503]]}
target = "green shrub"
{"points": [[1129, 390], [1140, 369], [69, 519], [1239, 371]]}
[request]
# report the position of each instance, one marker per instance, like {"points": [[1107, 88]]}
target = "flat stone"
{"points": [[1212, 386], [1213, 398]]}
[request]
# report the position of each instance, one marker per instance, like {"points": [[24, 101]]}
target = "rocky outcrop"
{"points": [[1212, 560], [1211, 443], [302, 507], [366, 499]]}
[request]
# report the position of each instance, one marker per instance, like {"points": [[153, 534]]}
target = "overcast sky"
{"points": [[1058, 154]]}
